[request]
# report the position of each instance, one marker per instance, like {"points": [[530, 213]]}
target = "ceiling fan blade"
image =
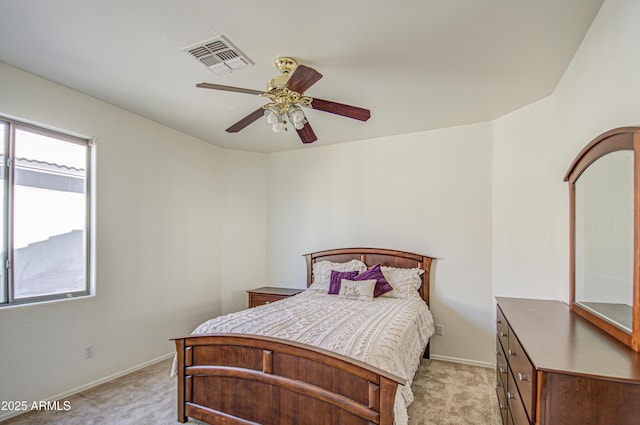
{"points": [[341, 109], [307, 134], [249, 119], [302, 78], [228, 88]]}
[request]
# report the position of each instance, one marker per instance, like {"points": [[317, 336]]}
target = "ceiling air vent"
{"points": [[218, 55]]}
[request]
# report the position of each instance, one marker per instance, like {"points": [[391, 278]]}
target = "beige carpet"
{"points": [[446, 394], [454, 394]]}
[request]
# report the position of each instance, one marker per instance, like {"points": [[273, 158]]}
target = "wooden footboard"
{"points": [[232, 379]]}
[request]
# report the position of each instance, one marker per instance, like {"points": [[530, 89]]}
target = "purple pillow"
{"points": [[336, 278], [382, 286]]}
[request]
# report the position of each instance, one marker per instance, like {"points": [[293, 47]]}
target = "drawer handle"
{"points": [[502, 334], [503, 406], [499, 321], [522, 377], [267, 302], [509, 395], [511, 353], [502, 370]]}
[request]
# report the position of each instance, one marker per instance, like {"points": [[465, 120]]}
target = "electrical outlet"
{"points": [[439, 329], [88, 352]]}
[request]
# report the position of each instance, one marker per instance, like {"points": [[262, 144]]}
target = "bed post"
{"points": [[426, 294], [307, 258], [180, 347], [426, 266], [387, 396]]}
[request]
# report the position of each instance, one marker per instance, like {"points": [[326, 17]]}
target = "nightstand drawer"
{"points": [[269, 294], [260, 299]]}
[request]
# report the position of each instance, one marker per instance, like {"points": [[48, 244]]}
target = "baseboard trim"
{"points": [[463, 361], [76, 390]]}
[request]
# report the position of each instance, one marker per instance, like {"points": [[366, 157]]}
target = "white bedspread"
{"points": [[389, 333]]}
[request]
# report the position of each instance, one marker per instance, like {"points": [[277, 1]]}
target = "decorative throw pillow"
{"points": [[405, 282], [382, 286], [336, 277], [322, 273], [357, 289]]}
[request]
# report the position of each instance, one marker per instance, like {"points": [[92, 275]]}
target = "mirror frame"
{"points": [[619, 139]]}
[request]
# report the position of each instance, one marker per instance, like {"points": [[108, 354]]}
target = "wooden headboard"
{"points": [[373, 256]]}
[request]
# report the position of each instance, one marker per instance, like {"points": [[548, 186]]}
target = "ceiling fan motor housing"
{"points": [[286, 66]]}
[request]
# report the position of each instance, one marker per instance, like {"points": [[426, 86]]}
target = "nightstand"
{"points": [[269, 294]]}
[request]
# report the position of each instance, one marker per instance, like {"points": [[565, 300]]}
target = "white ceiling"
{"points": [[416, 64]]}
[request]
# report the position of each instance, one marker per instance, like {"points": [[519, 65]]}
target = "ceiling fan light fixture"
{"points": [[297, 118], [271, 114], [275, 118], [272, 117], [279, 117]]}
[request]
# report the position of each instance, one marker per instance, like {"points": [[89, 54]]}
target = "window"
{"points": [[45, 190]]}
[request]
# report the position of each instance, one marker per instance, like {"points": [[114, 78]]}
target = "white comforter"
{"points": [[389, 333]]}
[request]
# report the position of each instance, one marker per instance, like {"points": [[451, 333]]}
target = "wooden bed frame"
{"points": [[231, 379]]}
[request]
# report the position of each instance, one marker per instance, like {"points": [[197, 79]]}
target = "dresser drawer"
{"points": [[502, 402], [523, 375], [502, 328], [501, 364], [515, 402]]}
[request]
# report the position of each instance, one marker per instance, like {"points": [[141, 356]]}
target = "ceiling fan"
{"points": [[286, 93]]}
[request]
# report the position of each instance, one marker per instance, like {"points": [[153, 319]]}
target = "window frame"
{"points": [[7, 284]]}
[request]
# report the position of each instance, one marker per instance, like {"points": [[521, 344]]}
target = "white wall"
{"points": [[533, 148], [243, 227], [428, 193], [162, 239]]}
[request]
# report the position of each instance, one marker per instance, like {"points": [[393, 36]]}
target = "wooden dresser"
{"points": [[269, 294], [555, 368]]}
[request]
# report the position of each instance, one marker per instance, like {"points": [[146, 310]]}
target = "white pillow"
{"points": [[322, 273], [357, 289], [405, 282]]}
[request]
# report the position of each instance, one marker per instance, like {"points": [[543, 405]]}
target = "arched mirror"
{"points": [[604, 193]]}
